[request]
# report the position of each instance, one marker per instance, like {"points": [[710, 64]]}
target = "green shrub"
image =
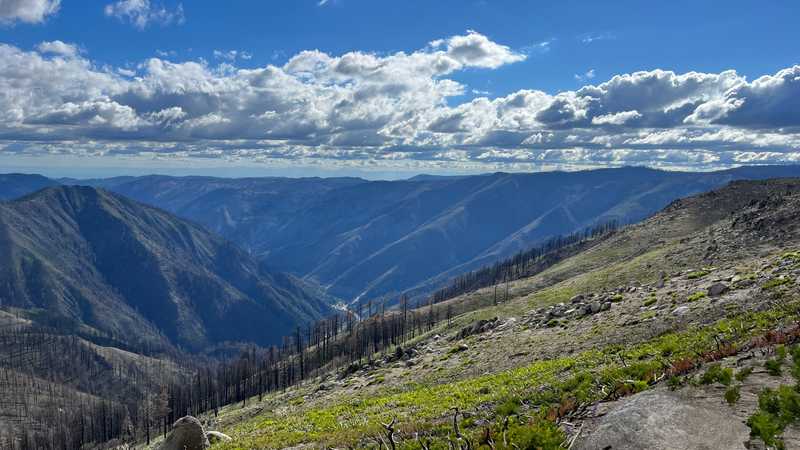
{"points": [[650, 301], [732, 395], [775, 282], [773, 367], [538, 434], [743, 373], [716, 373], [777, 408], [780, 350], [675, 382], [509, 407], [696, 296], [617, 298], [697, 274], [766, 427]]}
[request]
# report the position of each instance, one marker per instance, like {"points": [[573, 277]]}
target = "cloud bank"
{"points": [[27, 11], [395, 110]]}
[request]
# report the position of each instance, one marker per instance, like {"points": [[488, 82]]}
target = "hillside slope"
{"points": [[711, 279], [94, 262], [368, 239]]}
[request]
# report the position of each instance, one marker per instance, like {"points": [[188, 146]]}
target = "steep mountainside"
{"points": [[650, 339], [102, 265], [364, 239]]}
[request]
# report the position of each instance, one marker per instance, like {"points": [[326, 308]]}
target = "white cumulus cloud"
{"points": [[27, 11], [141, 13], [399, 109]]}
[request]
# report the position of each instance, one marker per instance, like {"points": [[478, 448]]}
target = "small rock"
{"points": [[595, 307], [680, 310], [606, 306], [216, 436], [577, 299], [717, 289]]}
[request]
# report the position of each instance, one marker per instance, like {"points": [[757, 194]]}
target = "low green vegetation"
{"points": [[717, 374], [697, 274], [776, 282], [743, 373], [696, 296], [791, 255], [533, 396], [732, 395], [649, 301], [774, 366], [779, 407]]}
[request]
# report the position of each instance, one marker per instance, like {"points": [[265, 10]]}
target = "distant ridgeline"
{"points": [[525, 263]]}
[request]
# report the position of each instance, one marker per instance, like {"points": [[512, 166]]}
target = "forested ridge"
{"points": [[61, 392]]}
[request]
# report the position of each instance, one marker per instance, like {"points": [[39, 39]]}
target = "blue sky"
{"points": [[117, 105]]}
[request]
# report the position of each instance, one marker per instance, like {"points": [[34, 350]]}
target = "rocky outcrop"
{"points": [[664, 420], [579, 306], [477, 327]]}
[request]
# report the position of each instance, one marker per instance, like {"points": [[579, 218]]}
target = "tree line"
{"points": [[60, 392], [524, 264]]}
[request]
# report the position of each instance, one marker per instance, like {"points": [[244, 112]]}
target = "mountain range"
{"points": [[102, 265], [364, 240]]}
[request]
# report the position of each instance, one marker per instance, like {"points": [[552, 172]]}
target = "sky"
{"points": [[386, 89]]}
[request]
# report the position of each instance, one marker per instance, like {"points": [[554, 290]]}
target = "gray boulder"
{"points": [[717, 289], [188, 434], [664, 420], [680, 310]]}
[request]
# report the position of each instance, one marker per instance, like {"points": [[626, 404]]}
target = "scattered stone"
{"points": [[577, 299], [477, 327], [216, 436], [680, 310], [349, 370], [717, 289]]}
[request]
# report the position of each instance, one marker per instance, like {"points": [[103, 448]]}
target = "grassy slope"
{"points": [[546, 368]]}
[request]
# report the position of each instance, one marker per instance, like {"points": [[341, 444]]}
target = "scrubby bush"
{"points": [[697, 274], [743, 373], [777, 408], [696, 296], [717, 374], [773, 367], [732, 395]]}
